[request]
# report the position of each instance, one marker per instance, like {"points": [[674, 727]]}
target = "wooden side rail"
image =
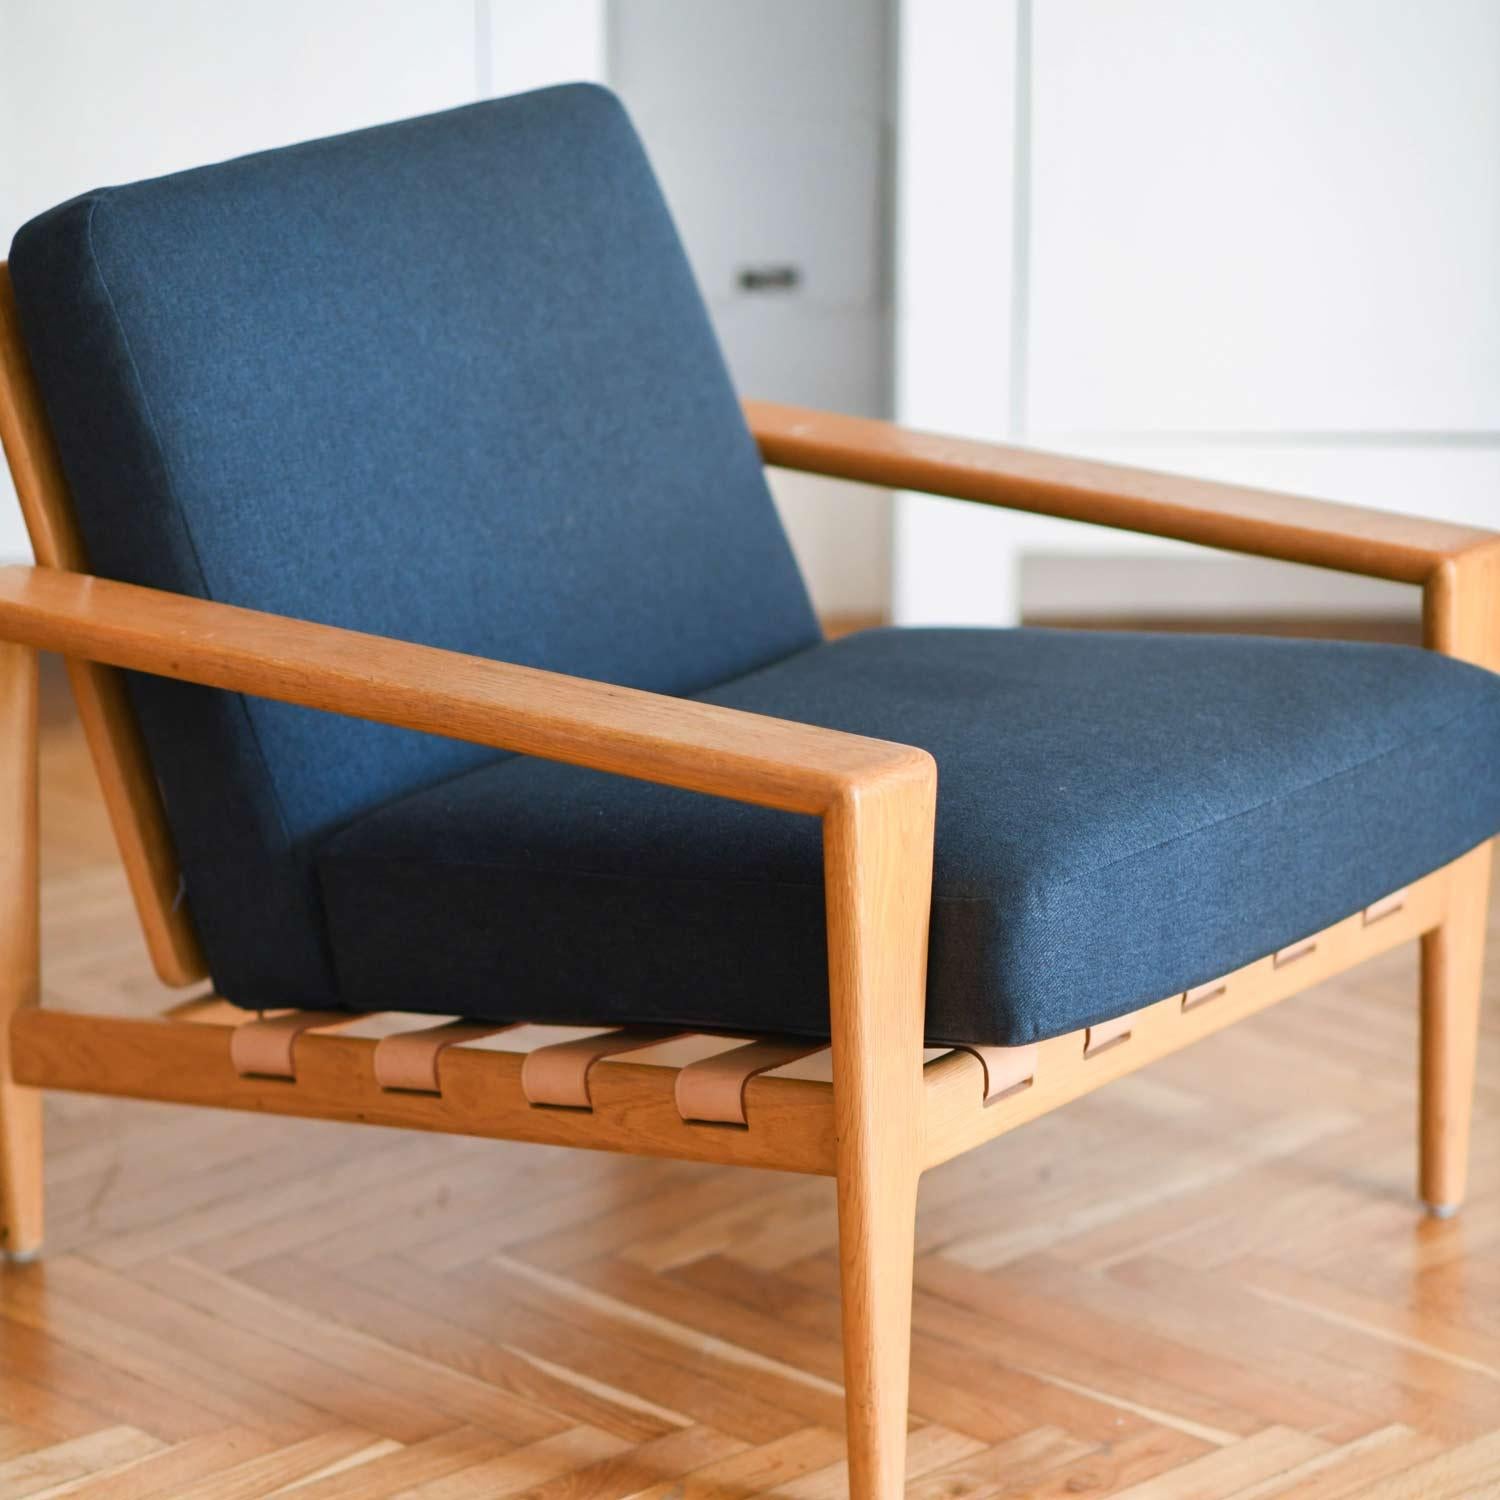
{"points": [[1053, 1072], [1350, 538], [633, 1107], [754, 1103]]}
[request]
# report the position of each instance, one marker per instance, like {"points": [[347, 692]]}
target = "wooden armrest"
{"points": [[1350, 538], [700, 746]]}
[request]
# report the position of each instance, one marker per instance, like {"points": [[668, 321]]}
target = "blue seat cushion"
{"points": [[1120, 817]]}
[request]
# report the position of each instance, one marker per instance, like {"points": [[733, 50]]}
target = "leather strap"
{"points": [[1006, 1069], [713, 1089], [1387, 906], [1293, 951], [558, 1075], [408, 1060], [264, 1048], [1201, 994], [1107, 1034]]}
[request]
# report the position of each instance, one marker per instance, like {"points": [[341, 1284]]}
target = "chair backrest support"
{"points": [[109, 723]]}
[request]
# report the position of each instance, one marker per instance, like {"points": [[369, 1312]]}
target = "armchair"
{"points": [[489, 485]]}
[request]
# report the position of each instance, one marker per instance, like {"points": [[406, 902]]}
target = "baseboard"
{"points": [[1150, 586], [1311, 627]]}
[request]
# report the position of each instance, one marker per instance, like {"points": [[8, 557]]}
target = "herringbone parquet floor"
{"points": [[1208, 1281]]}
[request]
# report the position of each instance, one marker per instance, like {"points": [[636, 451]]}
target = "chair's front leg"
{"points": [[1452, 979], [20, 1108], [878, 862]]}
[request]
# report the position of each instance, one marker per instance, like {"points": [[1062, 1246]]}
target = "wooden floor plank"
{"points": [[1227, 1471], [50, 1468], [168, 1471]]}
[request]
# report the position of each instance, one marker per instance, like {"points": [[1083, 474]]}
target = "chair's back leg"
{"points": [[1452, 978], [20, 949], [1460, 617], [878, 862]]}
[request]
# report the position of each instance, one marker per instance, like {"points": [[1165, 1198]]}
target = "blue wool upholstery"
{"points": [[1119, 817], [448, 380]]}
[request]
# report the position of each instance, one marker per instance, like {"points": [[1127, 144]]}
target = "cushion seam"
{"points": [[944, 899], [1297, 791], [575, 874]]}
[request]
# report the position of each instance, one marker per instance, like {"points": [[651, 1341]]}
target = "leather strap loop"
{"points": [[1006, 1069], [713, 1089], [1107, 1034], [265, 1048], [558, 1075], [408, 1060]]}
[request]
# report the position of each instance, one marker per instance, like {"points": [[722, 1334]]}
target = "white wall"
{"points": [[94, 93], [1255, 240], [528, 44], [956, 361]]}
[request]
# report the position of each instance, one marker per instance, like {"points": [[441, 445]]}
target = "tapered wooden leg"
{"points": [[877, 1229], [1452, 977], [20, 1108], [1460, 617], [878, 857]]}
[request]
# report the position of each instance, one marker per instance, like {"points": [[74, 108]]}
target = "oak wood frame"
{"points": [[884, 1118]]}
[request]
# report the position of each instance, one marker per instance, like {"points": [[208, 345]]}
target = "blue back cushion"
{"points": [[448, 380]]}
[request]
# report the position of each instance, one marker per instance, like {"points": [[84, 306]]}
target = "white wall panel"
{"points": [[1265, 215], [954, 292]]}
